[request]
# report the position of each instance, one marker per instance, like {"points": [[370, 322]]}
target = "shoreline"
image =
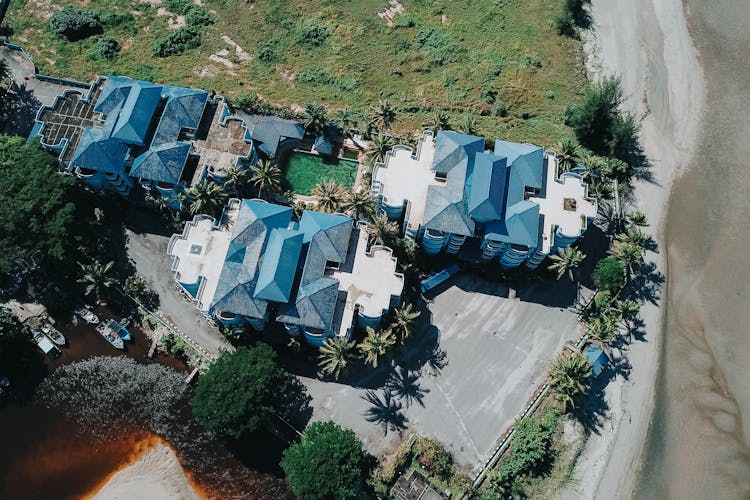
{"points": [[647, 42], [154, 472]]}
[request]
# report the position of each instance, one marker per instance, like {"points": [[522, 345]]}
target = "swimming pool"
{"points": [[304, 171]]}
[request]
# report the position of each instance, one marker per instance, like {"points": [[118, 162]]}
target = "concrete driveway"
{"points": [[471, 372], [149, 254]]}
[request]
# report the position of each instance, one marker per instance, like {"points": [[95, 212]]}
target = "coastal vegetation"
{"points": [[434, 59], [327, 462], [240, 391]]}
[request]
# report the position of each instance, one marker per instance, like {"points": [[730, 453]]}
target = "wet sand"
{"points": [[698, 441]]}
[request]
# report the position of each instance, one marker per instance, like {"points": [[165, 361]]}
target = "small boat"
{"points": [[53, 333], [119, 328], [87, 315], [46, 345], [110, 335]]}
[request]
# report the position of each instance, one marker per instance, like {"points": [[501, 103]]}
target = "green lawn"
{"points": [[304, 171], [451, 56]]}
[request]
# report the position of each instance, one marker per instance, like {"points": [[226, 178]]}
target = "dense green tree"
{"points": [[331, 196], [177, 42], [376, 345], [326, 463], [569, 378], [105, 48], [335, 354], [265, 176], [41, 215], [240, 391], [137, 287], [18, 353], [609, 274], [75, 24]]}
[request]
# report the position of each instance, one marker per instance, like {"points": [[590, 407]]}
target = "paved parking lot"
{"points": [[477, 361]]}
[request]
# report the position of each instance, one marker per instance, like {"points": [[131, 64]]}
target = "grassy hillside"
{"points": [[478, 55]]}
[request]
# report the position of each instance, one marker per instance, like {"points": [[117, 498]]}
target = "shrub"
{"points": [[312, 35], [105, 47], [115, 19], [266, 51], [572, 17], [198, 17], [180, 7], [75, 24], [609, 274], [407, 20], [501, 108], [431, 454], [144, 72], [178, 42], [436, 43], [316, 76]]}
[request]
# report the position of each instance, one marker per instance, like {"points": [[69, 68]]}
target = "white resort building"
{"points": [[509, 204]]}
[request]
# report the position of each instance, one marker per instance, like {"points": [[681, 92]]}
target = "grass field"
{"points": [[453, 56], [304, 171]]}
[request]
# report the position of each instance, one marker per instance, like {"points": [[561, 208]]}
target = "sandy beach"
{"points": [[156, 475], [647, 43]]}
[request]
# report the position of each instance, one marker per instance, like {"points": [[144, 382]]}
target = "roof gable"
{"points": [[97, 152], [279, 265], [136, 113], [163, 163], [485, 188]]}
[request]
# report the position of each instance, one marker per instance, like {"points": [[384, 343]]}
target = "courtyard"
{"points": [[473, 364]]}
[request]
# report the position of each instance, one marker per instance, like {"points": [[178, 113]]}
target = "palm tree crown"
{"points": [[384, 115], [330, 196], [569, 377], [314, 118], [265, 177], [567, 155], [380, 145], [375, 345], [207, 197], [438, 120], [601, 329], [382, 231], [96, 277], [236, 180], [335, 354], [468, 124], [630, 255], [567, 261], [403, 321], [637, 218], [359, 204]]}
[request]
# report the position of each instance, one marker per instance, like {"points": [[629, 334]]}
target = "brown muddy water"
{"points": [[698, 445], [44, 455]]}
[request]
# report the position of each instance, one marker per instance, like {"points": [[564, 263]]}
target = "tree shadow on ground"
{"points": [[385, 411], [19, 112], [404, 384], [295, 404], [647, 284], [142, 220]]}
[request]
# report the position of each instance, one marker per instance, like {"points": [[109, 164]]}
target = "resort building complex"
{"points": [[123, 131], [509, 204], [256, 263]]}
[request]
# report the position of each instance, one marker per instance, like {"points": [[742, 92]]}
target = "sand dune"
{"points": [[157, 475]]}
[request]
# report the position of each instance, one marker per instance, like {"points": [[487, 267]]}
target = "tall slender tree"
{"points": [[566, 261], [382, 231], [265, 176], [384, 115], [468, 124], [569, 378], [567, 155], [335, 354], [359, 204], [375, 345], [330, 196], [97, 279], [206, 197], [437, 120], [380, 145], [403, 321], [314, 118]]}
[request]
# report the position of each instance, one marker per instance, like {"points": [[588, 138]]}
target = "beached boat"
{"points": [[53, 333], [87, 315], [46, 345], [110, 335]]}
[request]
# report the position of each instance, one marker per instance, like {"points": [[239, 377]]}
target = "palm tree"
{"points": [[314, 118], [628, 254], [335, 354], [359, 204], [569, 377], [96, 277], [601, 189], [634, 236], [637, 218], [236, 180], [438, 120], [156, 199], [207, 197], [567, 261], [601, 329], [265, 176], [380, 145], [330, 196], [468, 124], [403, 321], [348, 121], [376, 344], [384, 115], [627, 309], [567, 155], [382, 231], [182, 200]]}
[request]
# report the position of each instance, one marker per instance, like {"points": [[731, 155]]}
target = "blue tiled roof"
{"points": [[270, 130], [163, 163], [97, 151], [526, 167], [453, 149], [485, 187], [279, 265], [598, 360], [114, 91], [136, 113], [183, 109]]}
